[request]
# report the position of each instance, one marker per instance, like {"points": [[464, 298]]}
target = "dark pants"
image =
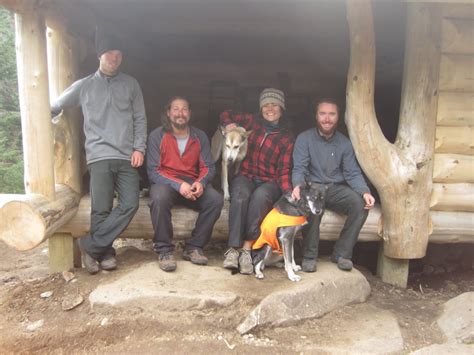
{"points": [[106, 178], [164, 197], [249, 204], [343, 200]]}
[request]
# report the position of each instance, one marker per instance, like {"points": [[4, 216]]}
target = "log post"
{"points": [[34, 100], [62, 249], [401, 172], [62, 68]]}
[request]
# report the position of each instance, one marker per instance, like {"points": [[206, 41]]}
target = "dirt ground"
{"points": [[24, 277]]}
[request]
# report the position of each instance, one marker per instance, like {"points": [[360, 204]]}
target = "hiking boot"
{"points": [[196, 256], [166, 261], [108, 263], [231, 260], [342, 263], [245, 262], [91, 265], [308, 265]]}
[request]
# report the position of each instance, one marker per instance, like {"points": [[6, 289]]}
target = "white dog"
{"points": [[232, 146]]}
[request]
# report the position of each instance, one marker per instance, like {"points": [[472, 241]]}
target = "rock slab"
{"points": [[184, 290], [457, 319], [315, 295]]}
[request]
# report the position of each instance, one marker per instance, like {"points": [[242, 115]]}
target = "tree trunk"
{"points": [[29, 220], [63, 56], [401, 172], [34, 101]]}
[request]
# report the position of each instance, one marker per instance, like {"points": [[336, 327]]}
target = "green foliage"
{"points": [[8, 75], [11, 157]]}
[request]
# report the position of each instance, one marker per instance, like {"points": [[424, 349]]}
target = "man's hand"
{"points": [[369, 201], [197, 189], [137, 159], [186, 191], [296, 193]]}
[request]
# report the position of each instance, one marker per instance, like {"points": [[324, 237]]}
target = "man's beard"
{"points": [[179, 126]]}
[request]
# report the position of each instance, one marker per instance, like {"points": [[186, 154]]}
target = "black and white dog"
{"points": [[283, 223]]}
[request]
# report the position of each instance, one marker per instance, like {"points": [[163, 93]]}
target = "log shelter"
{"points": [[403, 69]]}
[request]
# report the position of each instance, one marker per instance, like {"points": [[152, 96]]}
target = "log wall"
{"points": [[453, 175]]}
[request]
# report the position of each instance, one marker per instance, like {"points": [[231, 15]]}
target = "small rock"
{"points": [[31, 327], [68, 276], [104, 322], [46, 294], [70, 302]]}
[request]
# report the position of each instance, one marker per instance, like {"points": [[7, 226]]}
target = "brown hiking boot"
{"points": [[196, 256], [166, 261]]}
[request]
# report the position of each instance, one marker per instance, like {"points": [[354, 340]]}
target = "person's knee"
{"points": [[357, 207], [160, 195]]}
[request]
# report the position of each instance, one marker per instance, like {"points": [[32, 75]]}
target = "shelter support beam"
{"points": [[392, 271], [401, 172], [34, 101], [63, 252]]}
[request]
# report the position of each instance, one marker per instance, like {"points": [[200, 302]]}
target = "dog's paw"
{"points": [[294, 278], [296, 268], [259, 276], [226, 197]]}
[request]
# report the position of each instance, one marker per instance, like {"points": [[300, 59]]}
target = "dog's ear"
{"points": [[307, 183], [247, 133]]}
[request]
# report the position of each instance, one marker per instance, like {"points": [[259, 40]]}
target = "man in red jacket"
{"points": [[180, 169]]}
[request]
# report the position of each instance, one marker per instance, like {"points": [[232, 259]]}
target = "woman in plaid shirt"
{"points": [[264, 175]]}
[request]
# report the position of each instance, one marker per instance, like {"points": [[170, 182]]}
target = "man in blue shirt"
{"points": [[326, 156], [115, 132]]}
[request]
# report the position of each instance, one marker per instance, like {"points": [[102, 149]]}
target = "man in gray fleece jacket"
{"points": [[326, 156], [115, 132]]}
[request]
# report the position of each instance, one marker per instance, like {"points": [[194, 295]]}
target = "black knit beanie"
{"points": [[107, 43]]}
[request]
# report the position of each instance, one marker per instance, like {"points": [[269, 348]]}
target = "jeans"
{"points": [[164, 197], [107, 222], [343, 200], [249, 204]]}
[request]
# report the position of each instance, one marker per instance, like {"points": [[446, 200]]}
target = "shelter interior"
{"points": [[221, 54]]}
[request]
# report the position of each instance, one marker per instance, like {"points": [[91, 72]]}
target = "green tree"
{"points": [[11, 157]]}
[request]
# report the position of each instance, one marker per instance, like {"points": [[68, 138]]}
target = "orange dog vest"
{"points": [[272, 221]]}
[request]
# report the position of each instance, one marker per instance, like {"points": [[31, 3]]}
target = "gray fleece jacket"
{"points": [[326, 161], [114, 115]]}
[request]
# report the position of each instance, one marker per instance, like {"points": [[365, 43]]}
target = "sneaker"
{"points": [[308, 265], [342, 263], [196, 256], [108, 263], [166, 261], [245, 262], [231, 260], [91, 265]]}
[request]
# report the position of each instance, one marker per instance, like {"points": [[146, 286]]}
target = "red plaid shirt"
{"points": [[269, 153]]}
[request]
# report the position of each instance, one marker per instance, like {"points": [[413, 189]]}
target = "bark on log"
{"points": [[455, 109], [34, 101], [452, 197], [455, 140], [401, 172], [453, 168], [29, 220]]}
